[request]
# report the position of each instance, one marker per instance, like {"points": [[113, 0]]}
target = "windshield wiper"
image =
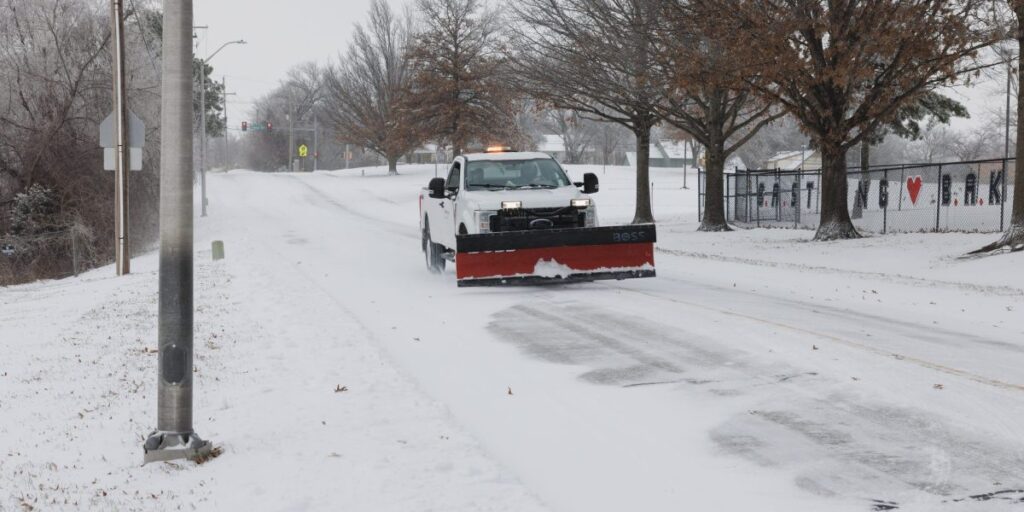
{"points": [[489, 186], [537, 185]]}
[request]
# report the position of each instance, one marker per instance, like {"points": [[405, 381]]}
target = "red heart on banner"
{"points": [[914, 187]]}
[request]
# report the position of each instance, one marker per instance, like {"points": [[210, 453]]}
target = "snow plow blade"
{"points": [[555, 255]]}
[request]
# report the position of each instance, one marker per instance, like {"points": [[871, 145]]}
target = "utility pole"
{"points": [[202, 115], [121, 163], [316, 142], [174, 437], [227, 153], [1009, 85], [202, 134], [224, 92], [291, 133]]}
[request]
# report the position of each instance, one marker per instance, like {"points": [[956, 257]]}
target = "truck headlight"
{"points": [[483, 221], [511, 205], [580, 203]]}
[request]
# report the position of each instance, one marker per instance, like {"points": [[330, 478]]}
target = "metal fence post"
{"points": [[700, 196], [778, 198], [885, 208], [796, 200], [747, 196], [727, 207], [938, 200], [1002, 200], [74, 253], [903, 180], [759, 197]]}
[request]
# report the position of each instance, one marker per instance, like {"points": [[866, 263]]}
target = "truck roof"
{"points": [[493, 157]]}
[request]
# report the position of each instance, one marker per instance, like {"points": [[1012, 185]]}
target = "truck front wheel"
{"points": [[432, 252]]}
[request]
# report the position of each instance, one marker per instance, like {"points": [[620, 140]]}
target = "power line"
{"points": [[145, 40]]}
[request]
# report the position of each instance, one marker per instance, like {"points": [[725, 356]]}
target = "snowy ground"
{"points": [[758, 371]]}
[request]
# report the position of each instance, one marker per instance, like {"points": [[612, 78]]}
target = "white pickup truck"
{"points": [[501, 192]]}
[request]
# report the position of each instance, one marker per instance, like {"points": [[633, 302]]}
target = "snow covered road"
{"points": [[756, 372], [794, 389]]}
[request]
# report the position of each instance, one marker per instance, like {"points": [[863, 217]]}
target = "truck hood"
{"points": [[531, 198]]}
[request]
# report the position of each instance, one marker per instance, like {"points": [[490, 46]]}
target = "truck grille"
{"points": [[525, 219]]}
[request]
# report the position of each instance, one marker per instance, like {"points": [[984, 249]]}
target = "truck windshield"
{"points": [[505, 174]]}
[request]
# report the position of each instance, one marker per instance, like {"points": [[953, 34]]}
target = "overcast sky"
{"points": [[279, 35]]}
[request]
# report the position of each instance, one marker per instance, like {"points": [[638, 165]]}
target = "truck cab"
{"points": [[498, 192]]}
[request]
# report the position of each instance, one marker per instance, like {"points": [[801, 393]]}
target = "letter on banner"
{"points": [[861, 199], [995, 187]]}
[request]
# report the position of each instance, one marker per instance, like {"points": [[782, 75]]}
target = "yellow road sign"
{"points": [[303, 151]]}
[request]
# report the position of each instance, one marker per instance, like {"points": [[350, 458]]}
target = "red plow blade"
{"points": [[555, 255]]}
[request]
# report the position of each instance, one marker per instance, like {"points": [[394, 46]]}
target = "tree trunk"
{"points": [[392, 165], [1014, 236], [835, 214], [643, 213], [714, 196]]}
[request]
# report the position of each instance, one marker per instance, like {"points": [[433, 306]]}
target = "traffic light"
{"points": [[270, 126], [245, 126]]}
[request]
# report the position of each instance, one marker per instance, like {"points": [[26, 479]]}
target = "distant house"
{"points": [[552, 145], [427, 154], [733, 164], [667, 153], [795, 160]]}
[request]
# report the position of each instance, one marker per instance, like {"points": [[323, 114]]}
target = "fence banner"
{"points": [[947, 197]]}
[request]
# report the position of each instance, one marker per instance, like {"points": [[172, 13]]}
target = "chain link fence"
{"points": [[973, 196], [54, 254]]}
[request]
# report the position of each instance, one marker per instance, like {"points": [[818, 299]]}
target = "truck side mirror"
{"points": [[590, 185], [436, 188]]}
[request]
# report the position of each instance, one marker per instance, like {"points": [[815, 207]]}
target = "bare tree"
{"points": [[596, 57], [55, 79], [578, 133], [709, 99], [844, 68], [610, 139], [369, 90], [460, 75]]}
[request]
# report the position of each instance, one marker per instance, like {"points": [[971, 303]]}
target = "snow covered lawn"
{"points": [[758, 371]]}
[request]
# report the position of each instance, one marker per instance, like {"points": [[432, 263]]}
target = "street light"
{"points": [[202, 122]]}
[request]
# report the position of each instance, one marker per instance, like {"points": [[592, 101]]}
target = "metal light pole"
{"points": [[121, 162], [316, 142], [1009, 85], [174, 437], [227, 153], [291, 133], [202, 122]]}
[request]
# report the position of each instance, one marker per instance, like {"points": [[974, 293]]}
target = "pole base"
{"points": [[167, 446]]}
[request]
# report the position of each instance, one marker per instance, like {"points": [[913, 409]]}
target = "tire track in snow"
{"points": [[924, 363], [1007, 291], [394, 227], [850, 445]]}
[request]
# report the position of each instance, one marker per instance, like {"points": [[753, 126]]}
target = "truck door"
{"points": [[446, 235]]}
